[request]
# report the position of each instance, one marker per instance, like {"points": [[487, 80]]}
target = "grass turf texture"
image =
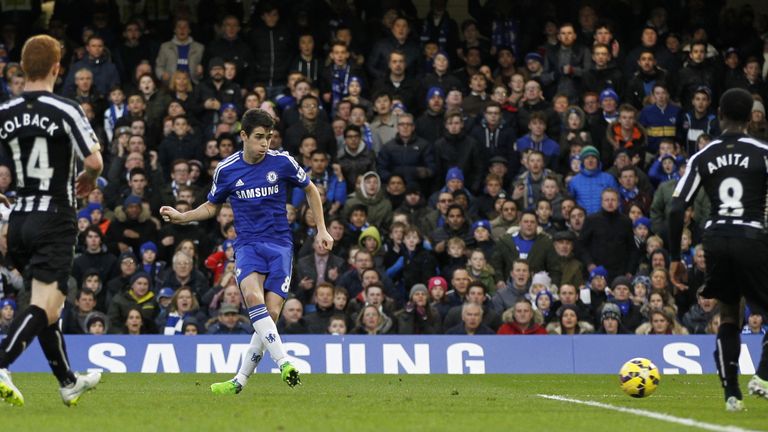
{"points": [[370, 402]]}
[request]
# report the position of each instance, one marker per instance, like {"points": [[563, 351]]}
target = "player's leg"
{"points": [[22, 331], [259, 306], [724, 283], [758, 385], [728, 350], [253, 291], [756, 294], [255, 351], [26, 325], [50, 266], [288, 371]]}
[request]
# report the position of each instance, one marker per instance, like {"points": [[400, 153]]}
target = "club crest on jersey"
{"points": [[271, 176]]}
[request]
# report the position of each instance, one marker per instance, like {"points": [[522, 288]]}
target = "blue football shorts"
{"points": [[270, 259]]}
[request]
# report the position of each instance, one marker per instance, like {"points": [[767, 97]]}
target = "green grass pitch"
{"points": [[166, 402]]}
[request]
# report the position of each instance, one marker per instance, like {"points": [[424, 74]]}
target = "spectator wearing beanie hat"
{"points": [[610, 320], [7, 312], [131, 227], [430, 123], [593, 294], [571, 268], [631, 317], [587, 186], [138, 295], [149, 263], [91, 322], [482, 240], [438, 288], [758, 126], [454, 181], [127, 265], [418, 316]]}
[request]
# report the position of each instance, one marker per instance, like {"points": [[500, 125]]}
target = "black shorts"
{"points": [[736, 267], [42, 245]]}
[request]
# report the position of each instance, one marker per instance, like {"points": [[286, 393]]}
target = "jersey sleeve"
{"points": [[81, 133], [689, 184], [220, 189], [294, 173]]}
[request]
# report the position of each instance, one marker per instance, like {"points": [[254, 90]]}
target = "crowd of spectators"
{"points": [[506, 174]]}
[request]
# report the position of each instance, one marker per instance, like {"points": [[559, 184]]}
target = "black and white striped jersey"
{"points": [[733, 170], [41, 135]]}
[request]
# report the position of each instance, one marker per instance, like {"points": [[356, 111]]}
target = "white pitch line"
{"points": [[651, 414]]}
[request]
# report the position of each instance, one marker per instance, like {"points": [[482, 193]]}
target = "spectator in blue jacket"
{"points": [[660, 117], [537, 139], [590, 182]]}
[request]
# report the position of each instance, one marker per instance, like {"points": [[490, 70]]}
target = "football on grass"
{"points": [[639, 377]]}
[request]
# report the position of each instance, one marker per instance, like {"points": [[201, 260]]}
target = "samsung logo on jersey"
{"points": [[24, 120], [727, 160], [257, 192]]}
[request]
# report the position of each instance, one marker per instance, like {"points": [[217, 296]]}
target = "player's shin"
{"points": [[727, 358], [52, 343], [267, 330], [23, 330], [251, 360]]}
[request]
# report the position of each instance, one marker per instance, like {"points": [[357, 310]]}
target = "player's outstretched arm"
{"points": [[316, 204], [205, 211]]}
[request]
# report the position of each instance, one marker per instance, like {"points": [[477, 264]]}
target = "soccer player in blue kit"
{"points": [[255, 180]]}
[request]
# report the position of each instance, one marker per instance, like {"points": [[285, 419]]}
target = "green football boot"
{"points": [[290, 375], [226, 387]]}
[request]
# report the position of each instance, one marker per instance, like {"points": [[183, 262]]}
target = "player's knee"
{"points": [[253, 298]]}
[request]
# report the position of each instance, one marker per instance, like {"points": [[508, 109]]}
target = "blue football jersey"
{"points": [[257, 193]]}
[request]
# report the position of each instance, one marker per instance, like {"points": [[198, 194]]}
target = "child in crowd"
{"points": [[7, 312], [454, 256], [755, 324], [481, 237], [479, 270], [543, 303], [337, 325], [115, 111]]}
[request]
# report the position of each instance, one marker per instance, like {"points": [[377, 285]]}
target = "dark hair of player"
{"points": [[735, 108], [256, 118]]}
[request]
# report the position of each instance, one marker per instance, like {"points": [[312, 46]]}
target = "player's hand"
{"points": [[84, 184], [170, 214], [678, 275], [4, 199], [325, 239]]}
